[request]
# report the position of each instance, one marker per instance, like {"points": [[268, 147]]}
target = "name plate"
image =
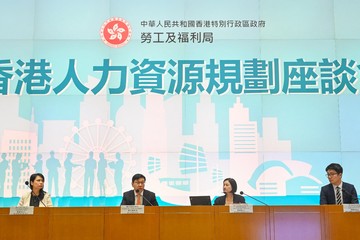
{"points": [[351, 207], [241, 208], [22, 210], [132, 209]]}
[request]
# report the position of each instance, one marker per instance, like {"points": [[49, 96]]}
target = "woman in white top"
{"points": [[37, 197]]}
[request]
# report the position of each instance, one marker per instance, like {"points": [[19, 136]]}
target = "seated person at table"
{"points": [[37, 197], [229, 188], [337, 191], [139, 196]]}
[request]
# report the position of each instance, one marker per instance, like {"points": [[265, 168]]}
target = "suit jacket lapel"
{"points": [[346, 193], [132, 197], [145, 195]]}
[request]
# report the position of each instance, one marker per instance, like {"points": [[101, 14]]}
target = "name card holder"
{"points": [[22, 210], [241, 208], [351, 207], [132, 209]]}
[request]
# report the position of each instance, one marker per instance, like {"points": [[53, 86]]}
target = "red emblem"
{"points": [[115, 32]]}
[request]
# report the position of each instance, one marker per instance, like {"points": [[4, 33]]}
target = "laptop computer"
{"points": [[200, 200]]}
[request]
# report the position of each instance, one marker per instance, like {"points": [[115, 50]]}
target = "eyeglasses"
{"points": [[330, 174], [138, 183]]}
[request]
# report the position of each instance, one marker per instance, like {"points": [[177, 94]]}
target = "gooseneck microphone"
{"points": [[353, 200], [137, 191], [242, 193], [37, 197]]}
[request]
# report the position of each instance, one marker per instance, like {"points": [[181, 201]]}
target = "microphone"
{"points": [[37, 197], [353, 200], [137, 191], [242, 193]]}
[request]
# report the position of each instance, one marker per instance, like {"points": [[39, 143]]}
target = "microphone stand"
{"points": [[242, 193], [147, 200], [137, 191]]}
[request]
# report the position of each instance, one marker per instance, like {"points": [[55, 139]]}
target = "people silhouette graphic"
{"points": [[101, 174], [90, 166], [4, 164], [68, 165], [53, 164], [118, 166]]}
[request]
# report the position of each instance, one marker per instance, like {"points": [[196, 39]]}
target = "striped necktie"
{"points": [[338, 196]]}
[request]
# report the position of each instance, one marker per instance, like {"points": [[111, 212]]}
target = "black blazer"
{"points": [[149, 198], [327, 194], [237, 199]]}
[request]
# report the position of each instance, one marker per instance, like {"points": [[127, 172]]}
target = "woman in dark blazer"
{"points": [[229, 188]]}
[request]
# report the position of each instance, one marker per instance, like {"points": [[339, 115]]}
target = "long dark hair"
{"points": [[32, 179]]}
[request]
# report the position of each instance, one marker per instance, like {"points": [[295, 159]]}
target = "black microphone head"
{"points": [[137, 190], [241, 192], [26, 182]]}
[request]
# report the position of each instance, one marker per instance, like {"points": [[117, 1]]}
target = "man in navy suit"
{"points": [[139, 196], [347, 192]]}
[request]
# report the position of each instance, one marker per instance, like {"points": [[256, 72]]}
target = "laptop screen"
{"points": [[200, 200]]}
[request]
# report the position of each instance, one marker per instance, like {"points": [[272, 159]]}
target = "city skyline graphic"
{"points": [[99, 157]]}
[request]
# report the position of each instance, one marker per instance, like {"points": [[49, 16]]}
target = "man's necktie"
{"points": [[338, 196], [138, 199]]}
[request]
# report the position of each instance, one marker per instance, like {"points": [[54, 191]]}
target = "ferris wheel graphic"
{"points": [[97, 140]]}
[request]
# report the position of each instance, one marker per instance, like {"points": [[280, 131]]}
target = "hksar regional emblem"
{"points": [[115, 32]]}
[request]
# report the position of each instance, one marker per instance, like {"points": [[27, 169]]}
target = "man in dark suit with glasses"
{"points": [[337, 191]]}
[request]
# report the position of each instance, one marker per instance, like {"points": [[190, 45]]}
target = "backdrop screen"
{"points": [[187, 93]]}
